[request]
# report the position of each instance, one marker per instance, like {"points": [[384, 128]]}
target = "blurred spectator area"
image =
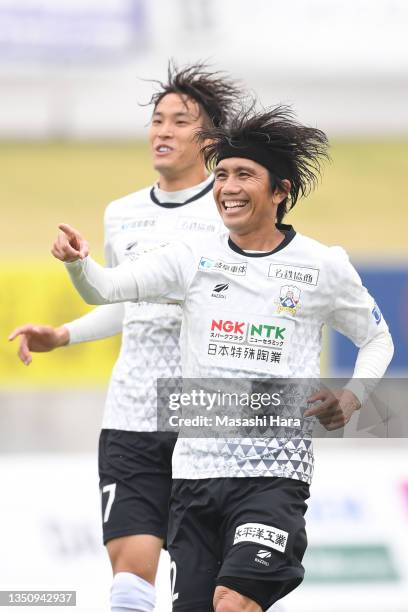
{"points": [[79, 69]]}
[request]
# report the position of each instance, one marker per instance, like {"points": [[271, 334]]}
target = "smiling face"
{"points": [[244, 197], [175, 150]]}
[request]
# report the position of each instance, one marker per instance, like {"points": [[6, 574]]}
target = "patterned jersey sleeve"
{"points": [[353, 311]]}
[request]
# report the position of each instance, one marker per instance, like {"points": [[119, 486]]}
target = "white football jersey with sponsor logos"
{"points": [[136, 224], [249, 315]]}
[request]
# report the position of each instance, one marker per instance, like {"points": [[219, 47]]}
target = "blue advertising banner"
{"points": [[75, 31], [389, 286]]}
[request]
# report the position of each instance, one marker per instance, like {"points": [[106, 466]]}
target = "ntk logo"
{"points": [[220, 290], [267, 331]]}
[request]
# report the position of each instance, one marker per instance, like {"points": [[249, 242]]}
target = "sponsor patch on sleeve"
{"points": [[264, 535], [376, 312]]}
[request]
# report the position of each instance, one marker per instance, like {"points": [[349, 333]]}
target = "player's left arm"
{"points": [[354, 313]]}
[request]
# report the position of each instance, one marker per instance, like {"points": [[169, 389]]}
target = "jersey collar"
{"points": [[197, 196], [288, 232]]}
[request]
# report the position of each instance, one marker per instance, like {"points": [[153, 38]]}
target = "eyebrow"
{"points": [[178, 114], [238, 169]]}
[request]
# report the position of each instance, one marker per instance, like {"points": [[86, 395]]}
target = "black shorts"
{"points": [[247, 534], [135, 482]]}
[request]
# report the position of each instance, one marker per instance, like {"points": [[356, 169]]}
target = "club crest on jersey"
{"points": [[289, 299]]}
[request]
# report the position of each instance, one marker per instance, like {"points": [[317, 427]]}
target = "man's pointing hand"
{"points": [[69, 245]]}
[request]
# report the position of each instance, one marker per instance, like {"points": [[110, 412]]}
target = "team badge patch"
{"points": [[289, 299]]}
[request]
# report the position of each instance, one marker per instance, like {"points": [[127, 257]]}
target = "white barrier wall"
{"points": [[71, 68], [357, 526]]}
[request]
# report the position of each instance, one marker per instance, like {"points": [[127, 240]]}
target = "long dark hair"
{"points": [[293, 151], [216, 93]]}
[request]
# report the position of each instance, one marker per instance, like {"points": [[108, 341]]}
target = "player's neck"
{"points": [[258, 240], [178, 182]]}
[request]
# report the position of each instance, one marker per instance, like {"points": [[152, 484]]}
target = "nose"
{"points": [[165, 130], [230, 185]]}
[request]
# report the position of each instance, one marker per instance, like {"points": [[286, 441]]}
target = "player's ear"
{"points": [[281, 191]]}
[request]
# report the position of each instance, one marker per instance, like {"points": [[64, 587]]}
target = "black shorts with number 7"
{"points": [[135, 482]]}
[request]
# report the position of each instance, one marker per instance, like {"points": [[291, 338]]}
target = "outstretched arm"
{"points": [[97, 285], [39, 339], [161, 274], [102, 322]]}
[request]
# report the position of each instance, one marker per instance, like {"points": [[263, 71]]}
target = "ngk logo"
{"points": [[230, 327]]}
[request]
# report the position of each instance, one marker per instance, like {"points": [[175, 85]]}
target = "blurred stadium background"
{"points": [[72, 138]]}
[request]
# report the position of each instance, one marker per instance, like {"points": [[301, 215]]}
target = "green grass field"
{"points": [[360, 204]]}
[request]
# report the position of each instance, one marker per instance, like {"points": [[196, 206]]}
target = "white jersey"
{"points": [[268, 323], [150, 349]]}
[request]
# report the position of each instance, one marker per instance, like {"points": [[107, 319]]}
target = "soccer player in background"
{"points": [[232, 503], [134, 460]]}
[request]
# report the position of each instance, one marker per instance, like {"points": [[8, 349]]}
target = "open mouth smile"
{"points": [[233, 205], [163, 149]]}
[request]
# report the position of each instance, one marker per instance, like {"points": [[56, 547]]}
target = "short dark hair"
{"points": [[294, 150], [215, 92]]}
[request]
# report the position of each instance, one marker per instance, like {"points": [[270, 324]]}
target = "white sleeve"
{"points": [[106, 320], [163, 273], [353, 311], [373, 358], [101, 322], [355, 314]]}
